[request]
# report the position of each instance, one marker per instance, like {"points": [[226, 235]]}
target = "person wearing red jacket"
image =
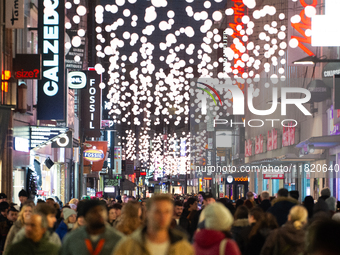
{"points": [[215, 239]]}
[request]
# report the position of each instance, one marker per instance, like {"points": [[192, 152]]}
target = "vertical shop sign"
{"points": [[15, 15], [91, 106], [259, 144], [118, 160], [51, 88], [248, 148], [288, 135]]}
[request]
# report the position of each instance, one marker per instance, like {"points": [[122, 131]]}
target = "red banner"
{"points": [[248, 148], [259, 144], [99, 146], [272, 140], [288, 135]]}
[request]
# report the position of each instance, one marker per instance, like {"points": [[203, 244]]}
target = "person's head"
{"points": [[238, 203], [265, 195], [35, 227], [95, 214], [282, 193], [4, 206], [129, 198], [218, 217], [192, 204], [326, 192], [50, 201], [249, 204], [294, 194], [255, 214], [49, 212], [200, 197], [298, 215], [241, 212], [74, 201], [209, 199], [159, 212], [12, 214], [23, 196], [3, 197], [114, 212], [322, 237], [70, 215], [178, 208], [265, 221], [25, 212], [250, 196]]}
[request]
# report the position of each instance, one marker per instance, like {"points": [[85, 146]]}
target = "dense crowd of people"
{"points": [[172, 224]]}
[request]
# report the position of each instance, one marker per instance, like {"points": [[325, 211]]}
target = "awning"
{"points": [[321, 142]]}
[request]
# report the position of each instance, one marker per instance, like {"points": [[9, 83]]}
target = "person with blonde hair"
{"points": [[130, 218], [25, 212], [290, 238]]}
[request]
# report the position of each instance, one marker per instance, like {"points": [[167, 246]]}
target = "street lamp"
{"points": [[312, 60]]}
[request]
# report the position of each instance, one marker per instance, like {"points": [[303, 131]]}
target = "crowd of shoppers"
{"points": [[165, 224]]}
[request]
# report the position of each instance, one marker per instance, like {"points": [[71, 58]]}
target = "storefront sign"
{"points": [[77, 80], [15, 15], [51, 88], [74, 56], [93, 155], [319, 91], [288, 135], [230, 179], [63, 141], [98, 151], [129, 167], [91, 105], [118, 160], [27, 66], [259, 144], [21, 144], [273, 176], [248, 148], [324, 31], [39, 135], [299, 40], [329, 70], [333, 129], [272, 140], [99, 194], [200, 184]]}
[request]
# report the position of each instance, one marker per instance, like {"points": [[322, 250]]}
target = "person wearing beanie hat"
{"points": [[3, 197], [216, 237], [70, 217], [325, 193], [23, 196]]}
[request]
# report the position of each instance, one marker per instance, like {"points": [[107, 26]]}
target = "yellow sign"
{"points": [[200, 184]]}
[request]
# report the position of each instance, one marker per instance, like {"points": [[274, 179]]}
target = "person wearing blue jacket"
{"points": [[70, 217]]}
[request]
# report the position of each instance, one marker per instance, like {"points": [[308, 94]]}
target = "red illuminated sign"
{"points": [[27, 74]]}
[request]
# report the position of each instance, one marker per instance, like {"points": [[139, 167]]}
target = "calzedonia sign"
{"points": [[51, 88]]}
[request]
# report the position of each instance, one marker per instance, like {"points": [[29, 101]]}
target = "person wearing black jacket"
{"points": [[265, 202]]}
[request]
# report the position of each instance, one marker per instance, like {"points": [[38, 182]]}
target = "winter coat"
{"points": [[74, 242], [265, 205], [281, 207], [207, 242], [135, 244], [12, 232], [5, 226], [51, 235], [286, 240], [28, 247], [62, 230], [256, 242], [240, 232]]}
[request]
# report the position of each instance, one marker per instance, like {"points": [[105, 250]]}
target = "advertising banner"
{"points": [[27, 66]]}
